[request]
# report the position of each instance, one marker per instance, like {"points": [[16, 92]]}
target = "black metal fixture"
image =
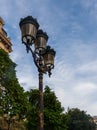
{"points": [[43, 55]]}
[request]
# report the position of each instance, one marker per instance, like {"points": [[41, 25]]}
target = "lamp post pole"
{"points": [[43, 55], [41, 106], [40, 102]]}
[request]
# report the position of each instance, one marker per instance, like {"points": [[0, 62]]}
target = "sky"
{"points": [[72, 29]]}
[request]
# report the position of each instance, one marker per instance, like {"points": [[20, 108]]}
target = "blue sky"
{"points": [[72, 29]]}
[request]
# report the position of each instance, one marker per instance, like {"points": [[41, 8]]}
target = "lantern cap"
{"points": [[50, 50], [29, 19], [40, 33]]}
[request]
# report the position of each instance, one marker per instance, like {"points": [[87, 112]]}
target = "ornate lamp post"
{"points": [[43, 55]]}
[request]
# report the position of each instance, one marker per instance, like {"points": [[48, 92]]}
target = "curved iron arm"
{"points": [[33, 55], [43, 69]]}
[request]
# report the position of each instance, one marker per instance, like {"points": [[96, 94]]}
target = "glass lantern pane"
{"points": [[24, 40], [29, 30], [40, 45], [27, 39], [49, 60]]}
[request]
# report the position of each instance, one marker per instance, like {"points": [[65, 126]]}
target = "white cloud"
{"points": [[27, 77], [85, 89], [88, 68]]}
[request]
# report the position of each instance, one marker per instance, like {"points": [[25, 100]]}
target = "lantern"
{"points": [[40, 43], [49, 58], [29, 27]]}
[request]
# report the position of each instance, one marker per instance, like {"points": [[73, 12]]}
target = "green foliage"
{"points": [[51, 102], [54, 116], [13, 100], [7, 68], [32, 115], [79, 120], [53, 112]]}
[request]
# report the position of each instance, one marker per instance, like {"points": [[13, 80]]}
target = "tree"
{"points": [[12, 97], [79, 120], [53, 112], [32, 115], [7, 68]]}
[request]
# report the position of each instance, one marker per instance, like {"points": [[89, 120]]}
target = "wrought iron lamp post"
{"points": [[43, 55]]}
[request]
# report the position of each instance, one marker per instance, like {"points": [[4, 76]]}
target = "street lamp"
{"points": [[43, 55]]}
